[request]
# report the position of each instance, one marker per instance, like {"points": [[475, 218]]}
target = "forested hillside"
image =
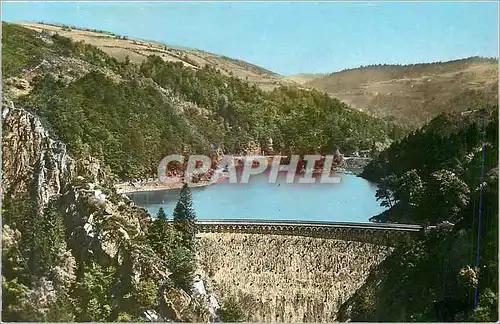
{"points": [[137, 50], [130, 116], [75, 121], [445, 173]]}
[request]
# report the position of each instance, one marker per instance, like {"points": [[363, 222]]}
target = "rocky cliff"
{"points": [[101, 227], [32, 161]]}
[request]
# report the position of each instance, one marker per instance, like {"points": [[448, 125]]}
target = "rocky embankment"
{"points": [[102, 226], [278, 278]]}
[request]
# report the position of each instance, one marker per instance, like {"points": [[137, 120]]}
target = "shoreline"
{"points": [[155, 185], [125, 188], [158, 186]]}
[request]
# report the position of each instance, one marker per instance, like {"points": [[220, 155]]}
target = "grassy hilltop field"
{"points": [[410, 95]]}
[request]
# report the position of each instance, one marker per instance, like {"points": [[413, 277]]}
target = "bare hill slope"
{"points": [[409, 95], [413, 94], [138, 50]]}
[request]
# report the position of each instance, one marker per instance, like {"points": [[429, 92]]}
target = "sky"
{"points": [[291, 37]]}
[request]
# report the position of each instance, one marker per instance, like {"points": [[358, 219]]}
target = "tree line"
{"points": [[446, 175], [132, 123]]}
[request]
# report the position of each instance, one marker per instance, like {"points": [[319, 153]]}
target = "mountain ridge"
{"points": [[409, 94], [138, 50], [413, 94]]}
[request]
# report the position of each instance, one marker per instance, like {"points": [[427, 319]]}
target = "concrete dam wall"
{"points": [[376, 233], [292, 272], [292, 278]]}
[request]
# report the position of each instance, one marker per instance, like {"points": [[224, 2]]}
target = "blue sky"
{"points": [[291, 38]]}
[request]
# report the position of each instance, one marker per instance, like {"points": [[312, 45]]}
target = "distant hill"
{"points": [[412, 94], [304, 78], [131, 115], [120, 47], [409, 95]]}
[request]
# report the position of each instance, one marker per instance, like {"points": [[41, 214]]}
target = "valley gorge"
{"points": [[277, 277], [78, 118]]}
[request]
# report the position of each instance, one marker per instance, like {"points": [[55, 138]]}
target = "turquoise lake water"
{"points": [[351, 200]]}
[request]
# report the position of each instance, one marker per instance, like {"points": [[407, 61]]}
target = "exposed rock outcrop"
{"points": [[32, 161], [101, 226]]}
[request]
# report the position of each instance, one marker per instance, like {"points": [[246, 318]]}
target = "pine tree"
{"points": [[181, 240], [158, 234], [231, 310], [181, 263], [185, 218], [47, 242], [93, 302], [174, 244], [161, 215]]}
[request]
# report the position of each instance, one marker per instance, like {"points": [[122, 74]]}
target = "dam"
{"points": [[289, 271], [286, 252]]}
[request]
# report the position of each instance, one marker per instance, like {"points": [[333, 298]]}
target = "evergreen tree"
{"points": [[386, 191], [181, 238], [14, 301], [158, 235], [181, 263], [161, 215], [231, 311], [93, 293], [175, 244], [447, 196], [47, 243], [185, 218]]}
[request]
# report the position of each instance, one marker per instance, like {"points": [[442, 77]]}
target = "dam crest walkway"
{"points": [[376, 233]]}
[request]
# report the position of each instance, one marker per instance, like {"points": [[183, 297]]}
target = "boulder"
{"points": [[110, 248], [175, 304]]}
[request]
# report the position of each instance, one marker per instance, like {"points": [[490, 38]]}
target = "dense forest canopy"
{"points": [[130, 122], [445, 173]]}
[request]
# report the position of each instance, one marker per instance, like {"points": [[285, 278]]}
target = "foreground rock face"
{"points": [[103, 227], [278, 278], [32, 161], [39, 167]]}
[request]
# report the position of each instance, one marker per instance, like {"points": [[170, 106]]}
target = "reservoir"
{"points": [[351, 200]]}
